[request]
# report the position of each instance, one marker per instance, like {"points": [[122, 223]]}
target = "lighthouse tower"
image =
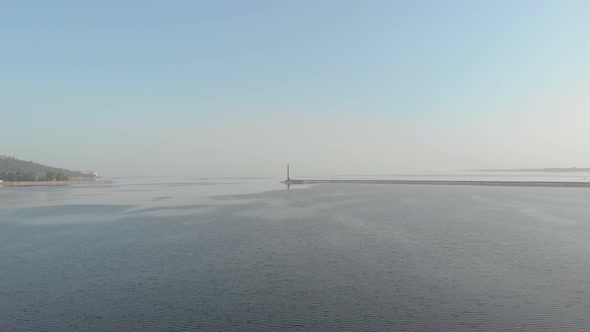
{"points": [[288, 173]]}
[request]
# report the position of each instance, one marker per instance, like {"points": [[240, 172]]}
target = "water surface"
{"points": [[247, 254]]}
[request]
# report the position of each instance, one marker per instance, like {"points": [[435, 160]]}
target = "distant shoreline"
{"points": [[535, 170], [560, 184], [52, 183]]}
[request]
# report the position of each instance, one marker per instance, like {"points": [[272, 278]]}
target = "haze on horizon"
{"points": [[240, 88]]}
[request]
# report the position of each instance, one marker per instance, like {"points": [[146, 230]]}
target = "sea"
{"points": [[251, 254]]}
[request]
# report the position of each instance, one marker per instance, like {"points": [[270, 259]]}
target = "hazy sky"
{"points": [[346, 87]]}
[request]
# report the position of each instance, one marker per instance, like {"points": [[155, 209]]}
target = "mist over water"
{"points": [[365, 90], [235, 254]]}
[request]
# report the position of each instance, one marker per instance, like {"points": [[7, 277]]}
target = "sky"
{"points": [[241, 88]]}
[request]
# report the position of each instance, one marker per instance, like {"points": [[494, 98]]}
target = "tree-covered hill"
{"points": [[12, 169]]}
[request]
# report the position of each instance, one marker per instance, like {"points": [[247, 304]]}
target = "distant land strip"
{"points": [[556, 170], [452, 183], [53, 183]]}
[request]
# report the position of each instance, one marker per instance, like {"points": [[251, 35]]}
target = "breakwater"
{"points": [[560, 184]]}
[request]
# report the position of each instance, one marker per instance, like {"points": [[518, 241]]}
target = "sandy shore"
{"points": [[53, 183], [452, 183]]}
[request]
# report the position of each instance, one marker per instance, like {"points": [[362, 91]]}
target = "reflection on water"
{"points": [[232, 255]]}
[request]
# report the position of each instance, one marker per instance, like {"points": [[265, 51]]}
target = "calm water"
{"points": [[247, 255]]}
